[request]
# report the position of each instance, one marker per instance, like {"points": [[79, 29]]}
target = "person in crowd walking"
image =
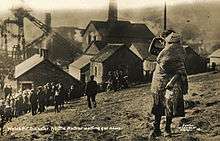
{"points": [[49, 95], [13, 105], [6, 91], [2, 107], [2, 83], [19, 105], [46, 92], [57, 101], [115, 82], [91, 91], [8, 113], [61, 94], [34, 102], [2, 124], [53, 89], [26, 102], [10, 91], [41, 99], [109, 82], [72, 92]]}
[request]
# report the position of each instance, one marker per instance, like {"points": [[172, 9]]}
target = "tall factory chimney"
{"points": [[113, 11], [45, 46], [46, 43]]}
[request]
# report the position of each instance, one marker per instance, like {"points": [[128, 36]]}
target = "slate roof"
{"points": [[141, 50], [31, 63], [27, 65], [108, 51], [81, 61], [215, 54], [141, 31], [123, 29], [99, 44], [191, 51]]}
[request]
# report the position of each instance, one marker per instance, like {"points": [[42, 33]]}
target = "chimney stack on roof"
{"points": [[45, 46], [48, 21], [113, 11]]}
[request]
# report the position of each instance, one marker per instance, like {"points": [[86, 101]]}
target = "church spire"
{"points": [[113, 11]]}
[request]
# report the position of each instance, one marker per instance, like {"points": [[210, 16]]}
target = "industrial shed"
{"points": [[215, 59], [116, 57], [79, 69], [194, 62], [149, 60], [37, 71]]}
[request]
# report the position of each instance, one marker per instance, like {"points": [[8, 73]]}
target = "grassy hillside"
{"points": [[128, 111]]}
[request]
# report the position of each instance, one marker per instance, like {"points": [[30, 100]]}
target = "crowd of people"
{"points": [[35, 100], [8, 91], [2, 78], [117, 80]]}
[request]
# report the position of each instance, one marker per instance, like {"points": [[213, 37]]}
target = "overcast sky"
{"points": [[87, 4]]}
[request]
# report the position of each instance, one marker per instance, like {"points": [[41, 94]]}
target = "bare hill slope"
{"points": [[126, 114]]}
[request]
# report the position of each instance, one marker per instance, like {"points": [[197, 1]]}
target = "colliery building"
{"points": [[116, 57], [107, 46], [112, 45], [38, 71], [194, 63], [215, 59]]}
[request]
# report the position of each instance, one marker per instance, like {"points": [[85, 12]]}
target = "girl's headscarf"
{"points": [[172, 57]]}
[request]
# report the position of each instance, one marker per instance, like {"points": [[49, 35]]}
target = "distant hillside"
{"points": [[198, 22]]}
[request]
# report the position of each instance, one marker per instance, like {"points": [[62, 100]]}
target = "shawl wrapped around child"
{"points": [[170, 63]]}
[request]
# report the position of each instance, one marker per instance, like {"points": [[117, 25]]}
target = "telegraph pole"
{"points": [[165, 16]]}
